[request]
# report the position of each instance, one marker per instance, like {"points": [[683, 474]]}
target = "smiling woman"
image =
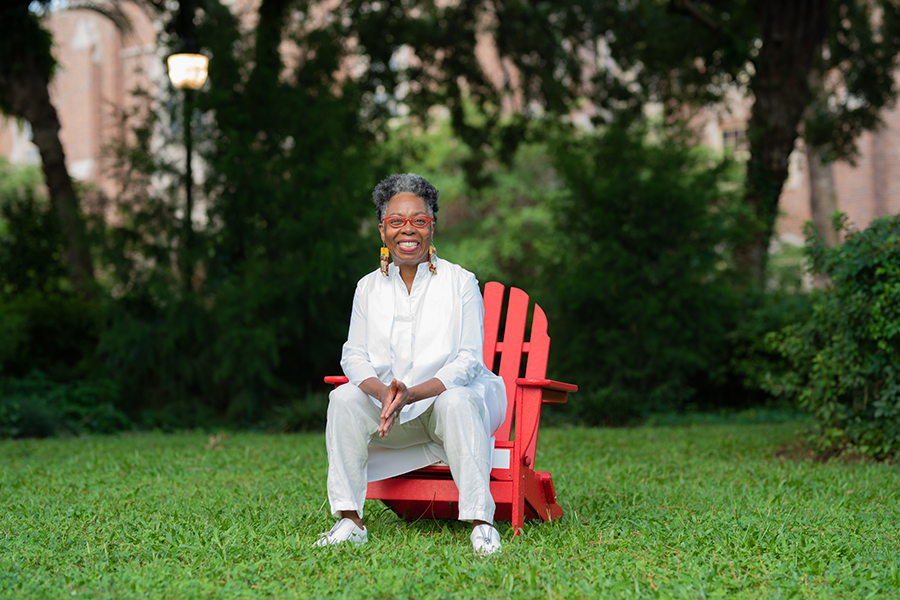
{"points": [[408, 232], [418, 390]]}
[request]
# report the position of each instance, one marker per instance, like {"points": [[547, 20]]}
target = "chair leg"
{"points": [[518, 507]]}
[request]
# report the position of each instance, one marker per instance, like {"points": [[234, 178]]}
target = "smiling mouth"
{"points": [[408, 245]]}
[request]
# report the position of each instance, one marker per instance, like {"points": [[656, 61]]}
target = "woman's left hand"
{"points": [[394, 398]]}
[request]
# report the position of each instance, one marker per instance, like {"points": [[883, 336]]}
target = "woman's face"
{"points": [[408, 245]]}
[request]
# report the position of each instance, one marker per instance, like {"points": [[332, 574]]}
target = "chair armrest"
{"points": [[337, 380], [554, 392]]}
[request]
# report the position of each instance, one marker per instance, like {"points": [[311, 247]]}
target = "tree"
{"points": [[852, 81], [610, 59], [288, 168], [26, 68], [789, 54], [685, 54]]}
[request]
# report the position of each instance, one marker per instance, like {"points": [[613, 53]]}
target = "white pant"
{"points": [[454, 421]]}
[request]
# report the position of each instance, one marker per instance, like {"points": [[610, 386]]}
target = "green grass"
{"points": [[701, 511]]}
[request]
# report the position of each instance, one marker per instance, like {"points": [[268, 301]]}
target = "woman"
{"points": [[419, 392]]}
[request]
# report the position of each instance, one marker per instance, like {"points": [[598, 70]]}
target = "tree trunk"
{"points": [[822, 195], [791, 33], [27, 93]]}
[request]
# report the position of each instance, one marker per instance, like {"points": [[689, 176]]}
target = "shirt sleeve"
{"points": [[355, 356], [469, 361]]}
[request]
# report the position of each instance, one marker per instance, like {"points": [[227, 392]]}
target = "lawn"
{"points": [[698, 511]]}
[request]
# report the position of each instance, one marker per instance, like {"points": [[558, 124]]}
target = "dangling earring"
{"points": [[384, 261], [432, 260]]}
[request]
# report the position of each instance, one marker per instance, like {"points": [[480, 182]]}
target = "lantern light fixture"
{"points": [[188, 70]]}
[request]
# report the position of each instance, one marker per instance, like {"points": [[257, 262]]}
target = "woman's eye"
{"points": [[396, 222], [420, 222]]}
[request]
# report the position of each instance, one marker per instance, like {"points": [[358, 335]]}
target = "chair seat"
{"points": [[431, 493]]}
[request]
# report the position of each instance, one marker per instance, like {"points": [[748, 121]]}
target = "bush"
{"points": [[30, 239], [306, 414], [844, 358], [52, 332], [48, 376], [752, 360], [289, 228], [639, 285], [267, 334], [36, 406]]}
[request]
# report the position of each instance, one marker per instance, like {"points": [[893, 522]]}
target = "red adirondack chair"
{"points": [[520, 492]]}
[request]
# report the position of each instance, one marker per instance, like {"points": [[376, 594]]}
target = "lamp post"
{"points": [[187, 72]]}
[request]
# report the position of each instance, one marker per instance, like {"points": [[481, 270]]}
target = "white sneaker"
{"points": [[485, 540], [344, 530]]}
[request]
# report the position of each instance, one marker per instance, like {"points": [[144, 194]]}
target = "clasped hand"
{"points": [[393, 398]]}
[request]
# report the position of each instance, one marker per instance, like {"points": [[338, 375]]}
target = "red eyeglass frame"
{"points": [[428, 220]]}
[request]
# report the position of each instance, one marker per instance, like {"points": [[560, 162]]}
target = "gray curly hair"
{"points": [[400, 183]]}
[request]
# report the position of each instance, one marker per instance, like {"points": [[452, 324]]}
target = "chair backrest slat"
{"points": [[536, 369], [511, 357], [493, 306], [538, 347]]}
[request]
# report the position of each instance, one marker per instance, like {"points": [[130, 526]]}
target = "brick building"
{"points": [[98, 66], [867, 189]]}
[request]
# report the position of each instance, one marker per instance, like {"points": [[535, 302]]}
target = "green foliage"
{"points": [[48, 336], [640, 272], [511, 235], [501, 230], [289, 168], [35, 406], [656, 324], [48, 376], [306, 414], [30, 239], [159, 357], [862, 44], [844, 357], [625, 242], [786, 270], [752, 360], [55, 333], [662, 512]]}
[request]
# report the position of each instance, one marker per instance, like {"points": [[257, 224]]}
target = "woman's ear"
{"points": [[381, 233]]}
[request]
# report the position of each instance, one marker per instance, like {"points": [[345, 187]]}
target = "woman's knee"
{"points": [[347, 397], [458, 400]]}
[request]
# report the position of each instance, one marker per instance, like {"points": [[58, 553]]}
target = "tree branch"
{"points": [[687, 7]]}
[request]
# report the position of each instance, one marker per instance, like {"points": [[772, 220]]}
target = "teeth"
{"points": [[408, 244]]}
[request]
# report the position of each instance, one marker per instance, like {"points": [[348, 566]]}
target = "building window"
{"points": [[734, 141]]}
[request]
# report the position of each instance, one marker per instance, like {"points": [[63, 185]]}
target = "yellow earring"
{"points": [[432, 260], [384, 261]]}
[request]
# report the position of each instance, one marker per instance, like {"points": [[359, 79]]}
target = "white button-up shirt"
{"points": [[434, 330]]}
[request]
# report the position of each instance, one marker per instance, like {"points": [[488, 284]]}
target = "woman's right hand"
{"points": [[393, 398]]}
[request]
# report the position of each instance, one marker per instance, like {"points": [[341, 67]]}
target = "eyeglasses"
{"points": [[417, 222]]}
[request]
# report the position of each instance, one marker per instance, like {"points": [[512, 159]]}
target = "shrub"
{"points": [[844, 358], [753, 361], [52, 332], [157, 352], [639, 283], [36, 406], [306, 414], [30, 239]]}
